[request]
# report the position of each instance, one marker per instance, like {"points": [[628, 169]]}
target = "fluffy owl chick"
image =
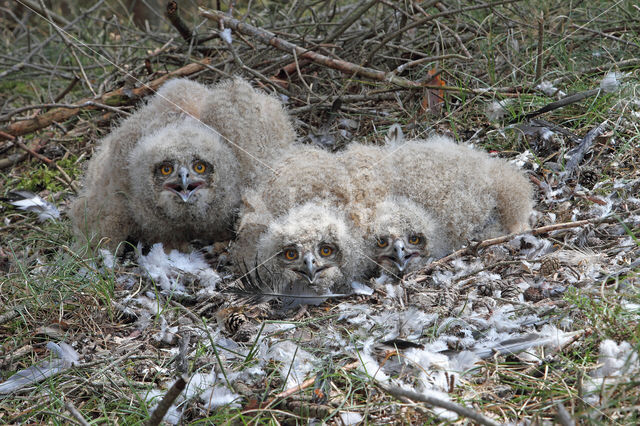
{"points": [[314, 242], [254, 124], [177, 184], [472, 194], [405, 237]]}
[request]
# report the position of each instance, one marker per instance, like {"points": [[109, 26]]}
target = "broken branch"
{"points": [[117, 97], [270, 38]]}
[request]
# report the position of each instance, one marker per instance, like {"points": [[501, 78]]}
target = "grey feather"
{"points": [[28, 201]]}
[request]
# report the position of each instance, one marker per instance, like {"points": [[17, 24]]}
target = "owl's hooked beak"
{"points": [[311, 269], [185, 187], [401, 256]]}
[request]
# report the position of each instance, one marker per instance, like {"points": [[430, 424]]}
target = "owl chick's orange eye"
{"points": [[415, 239], [290, 254], [166, 169], [199, 167], [382, 242], [326, 251]]}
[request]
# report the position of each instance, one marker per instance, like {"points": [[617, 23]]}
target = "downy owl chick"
{"points": [[106, 209], [405, 237]]}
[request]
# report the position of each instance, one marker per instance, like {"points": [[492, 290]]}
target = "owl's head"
{"points": [[405, 236], [314, 242], [184, 171]]}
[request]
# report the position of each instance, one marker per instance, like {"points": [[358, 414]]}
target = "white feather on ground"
{"points": [[28, 201], [67, 357], [170, 271]]}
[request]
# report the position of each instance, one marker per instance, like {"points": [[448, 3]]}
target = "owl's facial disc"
{"points": [[399, 252], [184, 184]]}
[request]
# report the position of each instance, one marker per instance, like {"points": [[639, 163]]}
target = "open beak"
{"points": [[400, 255], [185, 187], [311, 268]]}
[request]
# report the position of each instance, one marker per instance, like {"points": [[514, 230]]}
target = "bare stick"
{"points": [[540, 47], [499, 240], [349, 20], [167, 401], [269, 38], [120, 96], [581, 150], [426, 19], [42, 158], [447, 405], [70, 46], [75, 413]]}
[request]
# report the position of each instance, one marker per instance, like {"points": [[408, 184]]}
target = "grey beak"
{"points": [[400, 254], [186, 193], [311, 267]]}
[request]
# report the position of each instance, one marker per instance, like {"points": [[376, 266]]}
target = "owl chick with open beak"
{"points": [[405, 237]]}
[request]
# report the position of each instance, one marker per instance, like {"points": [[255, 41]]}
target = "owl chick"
{"points": [[316, 242], [181, 184], [405, 237], [124, 178], [473, 195]]}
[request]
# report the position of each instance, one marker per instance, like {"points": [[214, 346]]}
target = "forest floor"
{"points": [[532, 328]]}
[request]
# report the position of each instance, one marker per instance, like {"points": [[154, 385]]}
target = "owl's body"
{"points": [[405, 236], [473, 195], [121, 199]]}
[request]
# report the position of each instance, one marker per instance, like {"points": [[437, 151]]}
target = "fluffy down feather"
{"points": [[473, 195], [254, 124]]}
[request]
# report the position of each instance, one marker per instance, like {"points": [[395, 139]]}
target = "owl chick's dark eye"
{"points": [[290, 254], [326, 251], [382, 242], [166, 169], [199, 167], [415, 239]]}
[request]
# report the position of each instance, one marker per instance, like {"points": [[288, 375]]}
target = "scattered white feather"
{"points": [[218, 397], [616, 359], [497, 110], [154, 396], [611, 81], [226, 35], [549, 89], [295, 362], [350, 418], [394, 134], [359, 288], [67, 357], [31, 202], [169, 270], [108, 260], [619, 362]]}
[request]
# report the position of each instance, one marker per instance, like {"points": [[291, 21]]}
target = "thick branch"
{"points": [[120, 96], [177, 22], [269, 38]]}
